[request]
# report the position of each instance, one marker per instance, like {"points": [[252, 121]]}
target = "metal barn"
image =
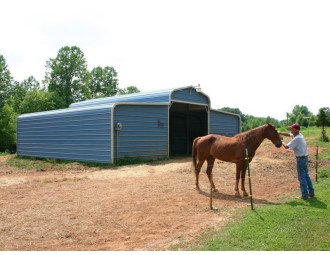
{"points": [[152, 124]]}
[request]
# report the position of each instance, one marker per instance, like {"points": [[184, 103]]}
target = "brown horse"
{"points": [[231, 149]]}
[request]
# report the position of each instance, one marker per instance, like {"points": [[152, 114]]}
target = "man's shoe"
{"points": [[311, 194], [304, 198]]}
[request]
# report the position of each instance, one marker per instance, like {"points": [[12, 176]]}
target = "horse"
{"points": [[231, 149]]}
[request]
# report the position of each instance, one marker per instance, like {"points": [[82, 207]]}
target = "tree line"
{"points": [[300, 114], [68, 80]]}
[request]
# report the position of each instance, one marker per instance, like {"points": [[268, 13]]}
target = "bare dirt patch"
{"points": [[141, 207]]}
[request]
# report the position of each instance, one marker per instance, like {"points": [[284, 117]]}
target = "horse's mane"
{"points": [[251, 130]]}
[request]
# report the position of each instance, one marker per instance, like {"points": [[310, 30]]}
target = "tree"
{"points": [[37, 101], [128, 90], [20, 90], [5, 81], [7, 128], [301, 115], [103, 82], [66, 75], [323, 120]]}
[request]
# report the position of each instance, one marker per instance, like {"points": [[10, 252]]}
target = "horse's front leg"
{"points": [[243, 181], [210, 164]]}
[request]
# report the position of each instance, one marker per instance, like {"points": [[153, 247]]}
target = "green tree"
{"points": [[7, 128], [66, 75], [128, 90], [5, 81], [37, 101], [102, 82], [20, 90], [323, 121], [301, 115]]}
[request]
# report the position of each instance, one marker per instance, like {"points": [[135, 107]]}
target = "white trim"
{"points": [[168, 130], [111, 135], [188, 102]]}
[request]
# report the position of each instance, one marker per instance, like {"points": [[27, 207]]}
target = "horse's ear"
{"points": [[270, 124]]}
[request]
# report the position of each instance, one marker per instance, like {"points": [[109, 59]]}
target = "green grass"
{"points": [[43, 164], [4, 153], [292, 225], [37, 164]]}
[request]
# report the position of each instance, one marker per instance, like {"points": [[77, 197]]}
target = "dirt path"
{"points": [[143, 207]]}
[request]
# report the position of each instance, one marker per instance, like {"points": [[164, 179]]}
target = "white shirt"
{"points": [[299, 146]]}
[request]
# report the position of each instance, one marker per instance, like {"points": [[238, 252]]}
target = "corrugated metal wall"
{"points": [[74, 134], [144, 131], [190, 95], [224, 123], [86, 131]]}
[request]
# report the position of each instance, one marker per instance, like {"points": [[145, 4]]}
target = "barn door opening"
{"points": [[187, 121]]}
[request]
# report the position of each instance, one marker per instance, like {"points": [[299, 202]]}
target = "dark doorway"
{"points": [[187, 121]]}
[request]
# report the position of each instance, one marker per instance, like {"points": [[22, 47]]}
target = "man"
{"points": [[299, 147]]}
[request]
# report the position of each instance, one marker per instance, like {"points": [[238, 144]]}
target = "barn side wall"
{"points": [[223, 123], [81, 134], [144, 131]]}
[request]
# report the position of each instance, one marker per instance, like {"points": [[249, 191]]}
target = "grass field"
{"points": [[293, 225]]}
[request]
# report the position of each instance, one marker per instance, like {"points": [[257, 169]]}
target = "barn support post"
{"points": [[249, 176]]}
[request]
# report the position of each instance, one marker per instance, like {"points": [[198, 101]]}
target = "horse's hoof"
{"points": [[237, 194], [245, 194], [215, 190]]}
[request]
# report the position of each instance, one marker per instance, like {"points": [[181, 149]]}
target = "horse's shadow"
{"points": [[313, 202], [222, 196]]}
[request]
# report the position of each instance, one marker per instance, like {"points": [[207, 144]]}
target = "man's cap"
{"points": [[295, 126]]}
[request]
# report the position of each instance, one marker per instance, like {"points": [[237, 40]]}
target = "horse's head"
{"points": [[273, 135]]}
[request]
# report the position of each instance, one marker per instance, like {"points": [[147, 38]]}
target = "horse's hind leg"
{"points": [[238, 177], [197, 171], [210, 164]]}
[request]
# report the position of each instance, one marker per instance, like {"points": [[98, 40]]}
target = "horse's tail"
{"points": [[194, 152]]}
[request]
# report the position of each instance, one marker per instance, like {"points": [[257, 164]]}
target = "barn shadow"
{"points": [[228, 197]]}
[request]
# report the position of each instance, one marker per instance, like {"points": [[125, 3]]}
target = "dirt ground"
{"points": [[141, 207]]}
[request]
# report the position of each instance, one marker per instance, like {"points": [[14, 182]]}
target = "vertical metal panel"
{"points": [[223, 123], [144, 130], [73, 134], [190, 95]]}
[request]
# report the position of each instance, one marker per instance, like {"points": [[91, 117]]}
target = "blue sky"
{"points": [[263, 57]]}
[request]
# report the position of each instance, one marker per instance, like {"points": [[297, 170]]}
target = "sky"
{"points": [[263, 57]]}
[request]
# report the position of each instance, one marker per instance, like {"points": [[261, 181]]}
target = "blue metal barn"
{"points": [[151, 124]]}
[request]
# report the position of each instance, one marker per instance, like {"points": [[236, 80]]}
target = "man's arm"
{"points": [[284, 133], [285, 145]]}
